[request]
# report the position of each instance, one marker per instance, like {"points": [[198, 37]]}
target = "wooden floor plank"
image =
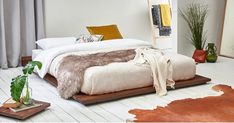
{"points": [[86, 111], [108, 116], [130, 104], [64, 105], [118, 109]]}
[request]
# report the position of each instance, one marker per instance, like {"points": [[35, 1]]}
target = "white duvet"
{"points": [[47, 56]]}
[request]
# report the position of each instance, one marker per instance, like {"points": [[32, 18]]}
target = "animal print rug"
{"points": [[211, 108]]}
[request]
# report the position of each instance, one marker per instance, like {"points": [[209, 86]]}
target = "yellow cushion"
{"points": [[108, 31]]}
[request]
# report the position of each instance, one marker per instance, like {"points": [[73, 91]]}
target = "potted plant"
{"points": [[20, 84], [195, 16]]}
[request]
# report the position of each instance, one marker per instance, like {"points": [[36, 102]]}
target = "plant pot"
{"points": [[199, 56], [211, 53]]}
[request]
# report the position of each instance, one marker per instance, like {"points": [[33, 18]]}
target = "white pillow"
{"points": [[48, 43], [89, 38]]}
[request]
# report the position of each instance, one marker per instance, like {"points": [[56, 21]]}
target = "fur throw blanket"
{"points": [[71, 69]]}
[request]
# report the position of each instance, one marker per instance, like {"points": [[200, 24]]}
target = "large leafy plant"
{"points": [[195, 16], [18, 83]]}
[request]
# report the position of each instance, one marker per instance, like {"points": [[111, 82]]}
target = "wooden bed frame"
{"points": [[94, 99]]}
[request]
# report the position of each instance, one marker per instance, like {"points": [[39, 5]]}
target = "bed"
{"points": [[115, 80]]}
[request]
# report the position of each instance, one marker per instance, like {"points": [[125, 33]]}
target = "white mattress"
{"points": [[121, 76]]}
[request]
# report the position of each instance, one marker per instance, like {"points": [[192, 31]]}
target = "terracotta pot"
{"points": [[199, 56]]}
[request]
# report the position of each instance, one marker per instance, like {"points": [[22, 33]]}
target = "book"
{"points": [[10, 103], [25, 107]]}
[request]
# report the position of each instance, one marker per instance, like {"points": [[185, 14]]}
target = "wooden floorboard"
{"points": [[116, 111]]}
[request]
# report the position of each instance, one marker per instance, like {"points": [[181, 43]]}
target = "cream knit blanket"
{"points": [[160, 65]]}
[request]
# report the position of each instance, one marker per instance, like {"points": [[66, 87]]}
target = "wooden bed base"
{"points": [[94, 99]]}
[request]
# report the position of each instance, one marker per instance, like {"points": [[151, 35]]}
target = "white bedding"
{"points": [[47, 56], [115, 76], [36, 52]]}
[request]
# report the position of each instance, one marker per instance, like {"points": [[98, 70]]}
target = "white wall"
{"points": [[213, 24], [70, 17]]}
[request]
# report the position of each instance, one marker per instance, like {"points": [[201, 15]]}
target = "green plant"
{"points": [[20, 81], [195, 16]]}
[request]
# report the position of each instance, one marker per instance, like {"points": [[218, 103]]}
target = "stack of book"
{"points": [[17, 106]]}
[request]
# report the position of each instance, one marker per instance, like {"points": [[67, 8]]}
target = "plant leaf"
{"points": [[17, 86], [28, 69], [195, 16], [36, 63]]}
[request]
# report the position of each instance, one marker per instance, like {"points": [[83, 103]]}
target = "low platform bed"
{"points": [[94, 99], [97, 72]]}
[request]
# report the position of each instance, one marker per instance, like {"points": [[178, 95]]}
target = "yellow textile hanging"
{"points": [[165, 14]]}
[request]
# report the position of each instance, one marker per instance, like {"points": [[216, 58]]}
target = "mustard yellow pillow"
{"points": [[108, 31]]}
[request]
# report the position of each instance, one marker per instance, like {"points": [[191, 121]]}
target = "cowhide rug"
{"points": [[211, 108]]}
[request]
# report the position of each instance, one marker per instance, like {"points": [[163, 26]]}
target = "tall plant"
{"points": [[195, 16]]}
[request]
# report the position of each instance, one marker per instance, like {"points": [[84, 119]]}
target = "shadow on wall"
{"points": [[213, 24]]}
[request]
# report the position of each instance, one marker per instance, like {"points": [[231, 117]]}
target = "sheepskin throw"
{"points": [[72, 68]]}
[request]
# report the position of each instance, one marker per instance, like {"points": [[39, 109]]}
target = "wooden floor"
{"points": [[116, 111]]}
